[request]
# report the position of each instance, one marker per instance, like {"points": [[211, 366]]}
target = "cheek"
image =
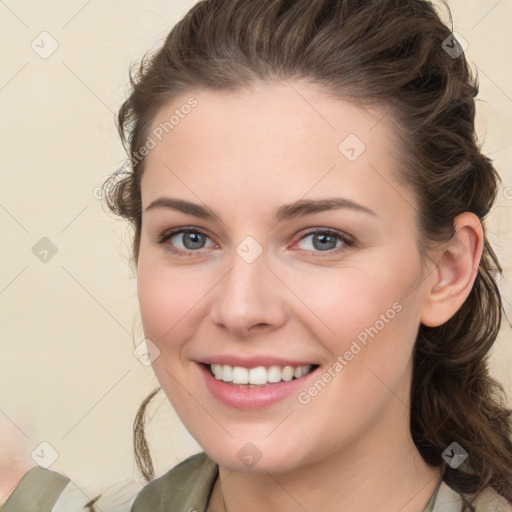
{"points": [[358, 302], [369, 321], [168, 299]]}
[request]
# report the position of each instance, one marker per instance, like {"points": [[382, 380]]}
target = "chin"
{"points": [[254, 457]]}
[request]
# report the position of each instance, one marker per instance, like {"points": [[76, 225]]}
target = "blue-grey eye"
{"points": [[322, 241], [190, 240]]}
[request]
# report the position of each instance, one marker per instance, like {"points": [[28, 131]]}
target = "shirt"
{"points": [[186, 488]]}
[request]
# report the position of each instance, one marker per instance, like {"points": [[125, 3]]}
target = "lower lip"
{"points": [[243, 397]]}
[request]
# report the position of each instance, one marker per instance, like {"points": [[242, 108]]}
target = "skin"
{"points": [[15, 449], [243, 155]]}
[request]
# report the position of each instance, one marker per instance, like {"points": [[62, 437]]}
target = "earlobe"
{"points": [[456, 270]]}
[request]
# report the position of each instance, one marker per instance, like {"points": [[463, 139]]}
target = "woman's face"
{"points": [[271, 274]]}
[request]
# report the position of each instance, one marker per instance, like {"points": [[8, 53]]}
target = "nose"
{"points": [[249, 300]]}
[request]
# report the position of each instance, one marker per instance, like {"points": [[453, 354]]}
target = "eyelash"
{"points": [[348, 242]]}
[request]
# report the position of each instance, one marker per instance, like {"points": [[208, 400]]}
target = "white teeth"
{"points": [[217, 371], [240, 375], [287, 373], [227, 373], [274, 374], [258, 376]]}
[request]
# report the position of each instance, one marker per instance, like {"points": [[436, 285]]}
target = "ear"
{"points": [[455, 272]]}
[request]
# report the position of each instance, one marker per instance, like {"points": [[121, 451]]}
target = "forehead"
{"points": [[276, 142]]}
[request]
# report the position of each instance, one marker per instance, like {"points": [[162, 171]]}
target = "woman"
{"points": [[315, 282]]}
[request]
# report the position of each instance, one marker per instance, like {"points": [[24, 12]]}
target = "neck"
{"points": [[384, 460]]}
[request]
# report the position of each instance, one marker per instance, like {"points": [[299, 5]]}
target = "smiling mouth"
{"points": [[259, 376]]}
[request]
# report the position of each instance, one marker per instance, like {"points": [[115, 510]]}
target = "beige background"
{"points": [[67, 360]]}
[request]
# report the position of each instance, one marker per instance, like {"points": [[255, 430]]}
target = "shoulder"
{"points": [[488, 500], [38, 489], [186, 486]]}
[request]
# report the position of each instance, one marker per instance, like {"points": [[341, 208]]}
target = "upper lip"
{"points": [[254, 361]]}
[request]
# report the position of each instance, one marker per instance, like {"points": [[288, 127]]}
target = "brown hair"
{"points": [[388, 53]]}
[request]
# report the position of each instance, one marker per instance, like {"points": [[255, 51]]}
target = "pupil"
{"points": [[324, 238], [193, 240]]}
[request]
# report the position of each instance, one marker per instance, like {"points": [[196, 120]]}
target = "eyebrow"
{"points": [[286, 212]]}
